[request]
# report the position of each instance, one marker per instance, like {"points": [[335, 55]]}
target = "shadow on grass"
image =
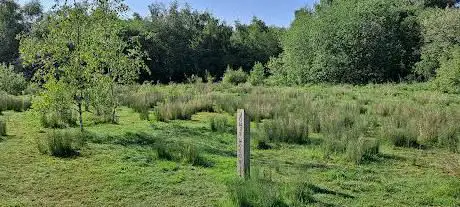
{"points": [[320, 190], [379, 158], [165, 149]]}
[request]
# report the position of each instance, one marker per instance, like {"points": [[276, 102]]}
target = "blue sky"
{"points": [[274, 12]]}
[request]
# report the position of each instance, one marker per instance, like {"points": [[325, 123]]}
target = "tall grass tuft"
{"points": [[255, 192], [14, 103], [178, 110], [62, 143], [288, 129], [220, 123], [450, 137]]}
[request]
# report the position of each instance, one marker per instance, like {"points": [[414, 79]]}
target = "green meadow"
{"points": [[175, 145]]}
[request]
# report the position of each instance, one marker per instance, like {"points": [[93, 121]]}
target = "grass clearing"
{"points": [[186, 163]]}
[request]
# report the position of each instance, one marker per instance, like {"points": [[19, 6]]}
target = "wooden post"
{"points": [[243, 144]]}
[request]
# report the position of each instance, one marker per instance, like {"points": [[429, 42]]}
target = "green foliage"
{"points": [[257, 75], [440, 37], [11, 82], [62, 143], [84, 50], [346, 52], [54, 105], [448, 75], [235, 77], [255, 42], [10, 26]]}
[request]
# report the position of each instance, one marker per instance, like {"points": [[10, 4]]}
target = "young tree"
{"points": [[83, 49], [257, 75]]}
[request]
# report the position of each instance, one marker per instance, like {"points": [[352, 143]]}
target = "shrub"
{"points": [[287, 129], [220, 123], [235, 77], [11, 82], [62, 143], [2, 128], [54, 105], [257, 75], [448, 75]]}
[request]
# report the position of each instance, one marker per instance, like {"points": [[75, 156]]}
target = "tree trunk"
{"points": [[114, 105], [80, 112]]}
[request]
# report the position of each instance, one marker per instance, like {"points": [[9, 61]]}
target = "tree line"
{"points": [[336, 41]]}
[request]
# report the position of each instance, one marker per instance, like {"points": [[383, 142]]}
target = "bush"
{"points": [[316, 51], [287, 129], [257, 75], [448, 75], [54, 105], [2, 128], [11, 82], [62, 143], [235, 77]]}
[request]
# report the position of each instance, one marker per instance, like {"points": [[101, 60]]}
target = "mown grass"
{"points": [[346, 157]]}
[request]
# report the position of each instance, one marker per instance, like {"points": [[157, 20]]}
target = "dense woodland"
{"points": [[336, 41]]}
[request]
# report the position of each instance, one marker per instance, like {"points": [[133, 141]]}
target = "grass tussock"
{"points": [[261, 190], [183, 110], [62, 143], [14, 103], [220, 123], [287, 129]]}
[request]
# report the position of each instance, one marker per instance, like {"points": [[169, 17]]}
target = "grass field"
{"points": [[120, 164]]}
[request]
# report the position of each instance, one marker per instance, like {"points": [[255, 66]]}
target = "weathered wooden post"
{"points": [[243, 143]]}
